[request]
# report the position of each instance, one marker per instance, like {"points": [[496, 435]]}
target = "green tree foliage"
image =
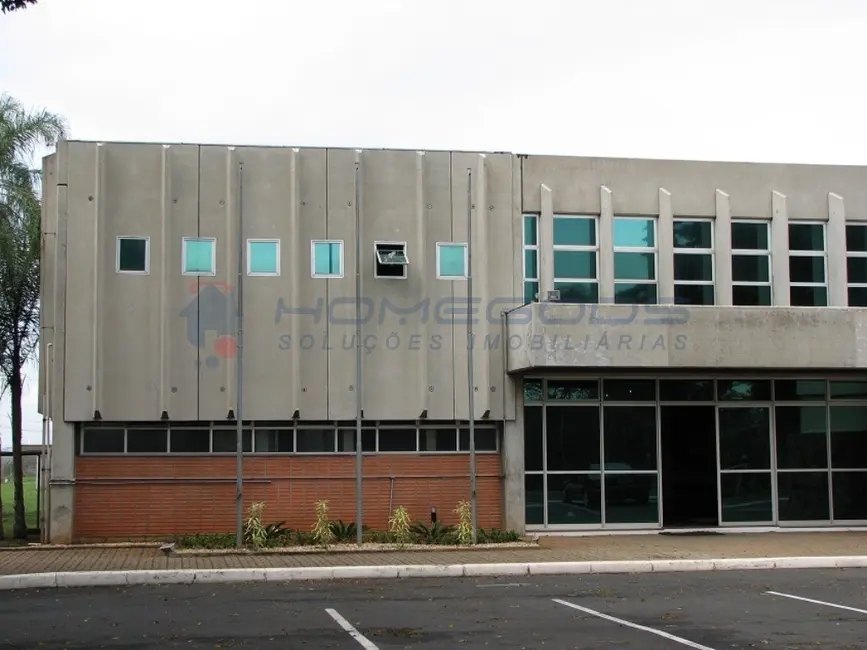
{"points": [[12, 5], [21, 132]]}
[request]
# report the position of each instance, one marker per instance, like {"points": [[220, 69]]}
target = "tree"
{"points": [[21, 132], [12, 5]]}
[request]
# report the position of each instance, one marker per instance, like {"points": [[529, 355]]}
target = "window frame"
{"points": [[695, 251], [466, 248], [250, 257], [854, 254], [405, 267], [147, 241], [573, 248], [529, 247], [799, 253], [754, 252], [327, 276], [213, 271], [636, 249]]}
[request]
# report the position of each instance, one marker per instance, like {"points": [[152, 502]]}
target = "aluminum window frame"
{"points": [[636, 249], [251, 241], [767, 253], [147, 241], [572, 248], [676, 250], [184, 242], [854, 254], [799, 253], [376, 263], [342, 259], [529, 247], [466, 248]]}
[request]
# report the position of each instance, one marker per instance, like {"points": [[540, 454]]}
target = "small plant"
{"points": [[434, 534], [464, 511], [399, 526], [346, 532], [255, 531], [322, 531], [497, 536]]}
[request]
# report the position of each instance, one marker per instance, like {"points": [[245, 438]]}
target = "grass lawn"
{"points": [[7, 490]]}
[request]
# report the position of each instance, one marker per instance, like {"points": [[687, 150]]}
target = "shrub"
{"points": [[464, 511], [346, 532], [322, 531], [399, 526], [255, 532], [434, 534]]}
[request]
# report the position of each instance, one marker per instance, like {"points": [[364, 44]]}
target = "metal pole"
{"points": [[239, 374], [44, 465], [470, 348], [359, 467]]}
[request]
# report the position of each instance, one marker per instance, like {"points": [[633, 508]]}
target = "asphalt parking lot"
{"points": [[717, 611]]}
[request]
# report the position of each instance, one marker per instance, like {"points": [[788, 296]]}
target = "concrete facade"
{"points": [[144, 347]]}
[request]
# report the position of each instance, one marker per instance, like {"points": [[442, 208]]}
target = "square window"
{"points": [[199, 256], [451, 261], [263, 257], [391, 260], [630, 232], [132, 255], [326, 259]]}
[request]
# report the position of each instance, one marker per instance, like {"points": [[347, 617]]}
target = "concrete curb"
{"points": [[213, 576]]}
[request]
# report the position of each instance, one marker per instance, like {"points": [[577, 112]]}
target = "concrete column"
{"points": [[606, 245], [835, 250], [546, 243], [722, 236], [514, 508], [665, 249], [62, 483], [780, 250]]}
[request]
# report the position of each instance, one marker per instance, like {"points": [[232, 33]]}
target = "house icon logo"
{"points": [[210, 318]]}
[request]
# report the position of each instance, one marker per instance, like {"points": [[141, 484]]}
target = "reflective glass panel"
{"points": [[572, 437]]}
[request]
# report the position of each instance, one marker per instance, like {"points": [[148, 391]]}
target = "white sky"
{"points": [[758, 80]]}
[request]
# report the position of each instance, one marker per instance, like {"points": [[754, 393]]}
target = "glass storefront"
{"points": [[648, 453]]}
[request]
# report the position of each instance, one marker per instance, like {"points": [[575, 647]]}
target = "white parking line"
{"points": [[363, 641], [665, 635], [817, 602]]}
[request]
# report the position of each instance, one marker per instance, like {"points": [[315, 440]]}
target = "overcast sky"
{"points": [[757, 80]]}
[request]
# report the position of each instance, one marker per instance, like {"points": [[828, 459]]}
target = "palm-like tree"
{"points": [[21, 132]]}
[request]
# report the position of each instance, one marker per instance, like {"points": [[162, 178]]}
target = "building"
{"points": [[698, 326]]}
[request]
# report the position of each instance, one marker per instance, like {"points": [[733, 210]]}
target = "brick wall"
{"points": [[122, 497]]}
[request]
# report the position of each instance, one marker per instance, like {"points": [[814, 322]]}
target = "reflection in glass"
{"points": [[346, 440], [630, 438], [746, 497], [486, 439], [531, 291], [803, 496], [630, 390], [580, 265], [530, 230], [634, 233], [693, 234], [572, 390], [801, 437], [534, 500], [806, 237], [849, 437], [634, 266], [750, 236], [437, 440], [226, 440], [532, 390], [745, 438], [849, 490], [849, 390], [532, 438], [578, 292], [686, 390], [631, 499], [573, 499], [574, 231], [800, 390], [572, 437], [634, 293], [744, 390], [531, 263]]}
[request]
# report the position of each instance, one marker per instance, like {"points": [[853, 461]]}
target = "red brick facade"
{"points": [[123, 497]]}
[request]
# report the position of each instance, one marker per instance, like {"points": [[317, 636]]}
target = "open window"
{"points": [[391, 260]]}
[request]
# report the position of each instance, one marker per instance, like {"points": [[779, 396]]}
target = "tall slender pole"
{"points": [[359, 467], [470, 348], [239, 371], [43, 458]]}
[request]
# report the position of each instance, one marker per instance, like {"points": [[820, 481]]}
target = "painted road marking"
{"points": [[363, 641], [620, 621], [817, 602], [507, 584]]}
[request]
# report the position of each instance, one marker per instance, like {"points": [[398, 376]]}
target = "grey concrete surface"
{"points": [[709, 611]]}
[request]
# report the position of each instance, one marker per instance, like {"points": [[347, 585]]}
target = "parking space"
{"points": [[776, 610]]}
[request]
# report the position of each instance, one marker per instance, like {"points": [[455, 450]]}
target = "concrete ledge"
{"points": [[222, 576]]}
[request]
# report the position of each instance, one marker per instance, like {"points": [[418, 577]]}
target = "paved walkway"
{"points": [[552, 549]]}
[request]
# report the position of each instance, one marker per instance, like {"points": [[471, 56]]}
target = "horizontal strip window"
{"points": [[635, 261], [751, 263], [856, 264], [808, 274], [326, 438]]}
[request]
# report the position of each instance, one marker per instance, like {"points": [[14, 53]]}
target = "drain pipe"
{"points": [[391, 495]]}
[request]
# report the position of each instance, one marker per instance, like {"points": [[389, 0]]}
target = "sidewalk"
{"points": [[551, 549]]}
